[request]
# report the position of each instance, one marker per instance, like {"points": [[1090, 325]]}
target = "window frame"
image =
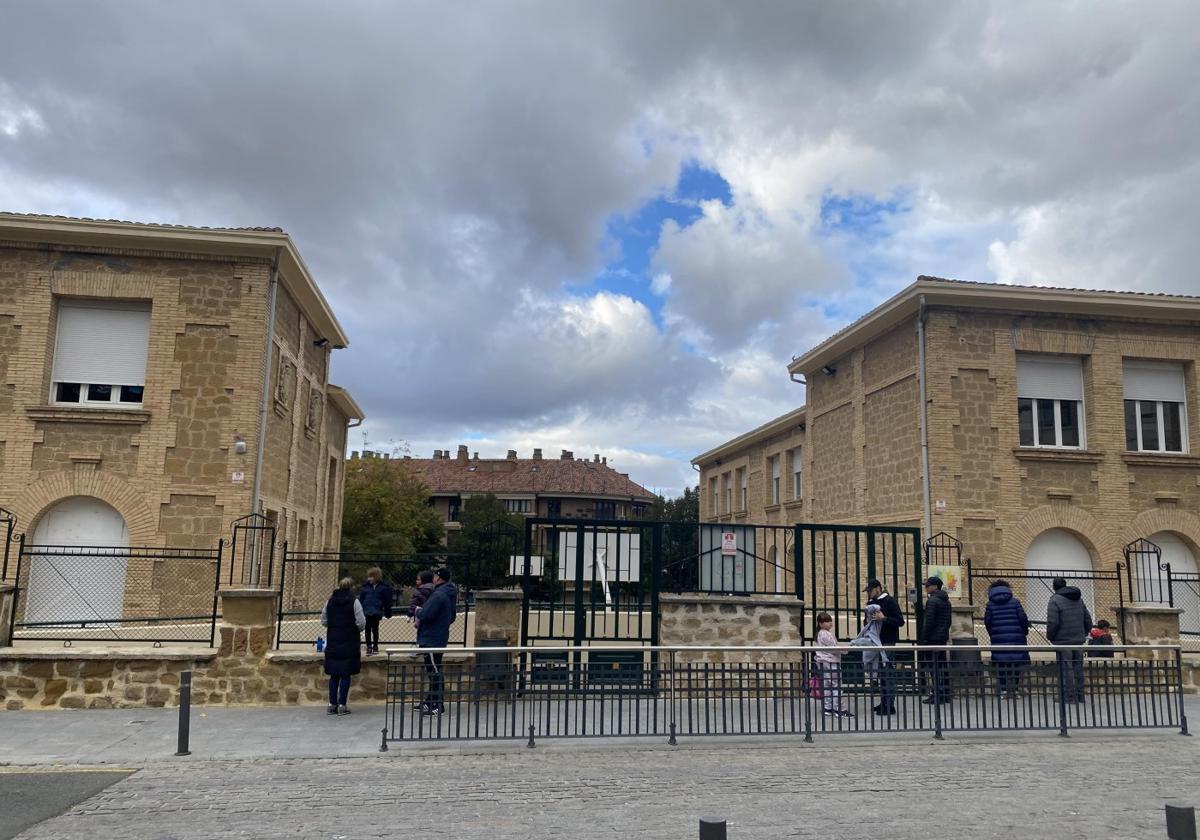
{"points": [[524, 506], [743, 488], [1160, 418], [776, 470], [797, 473], [1080, 412], [115, 391]]}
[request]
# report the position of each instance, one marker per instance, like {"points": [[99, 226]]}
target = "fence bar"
{"points": [[185, 712]]}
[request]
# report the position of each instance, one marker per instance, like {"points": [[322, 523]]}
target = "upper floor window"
{"points": [[775, 480], [714, 507], [797, 485], [518, 505], [100, 353], [453, 510], [744, 491], [1155, 407], [1050, 401], [728, 493], [554, 508], [605, 510]]}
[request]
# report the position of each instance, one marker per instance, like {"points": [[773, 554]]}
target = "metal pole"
{"points": [[712, 829], [936, 694], [185, 712], [1062, 694], [1183, 727]]}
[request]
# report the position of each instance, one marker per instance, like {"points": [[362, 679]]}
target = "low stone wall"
{"points": [[730, 620], [97, 679]]}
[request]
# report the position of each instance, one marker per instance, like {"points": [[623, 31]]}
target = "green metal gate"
{"points": [[837, 560]]}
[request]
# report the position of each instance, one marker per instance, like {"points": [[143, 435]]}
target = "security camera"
{"points": [[320, 342]]}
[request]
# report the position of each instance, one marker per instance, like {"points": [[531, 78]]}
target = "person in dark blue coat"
{"points": [[344, 618], [433, 631], [1007, 624], [376, 599]]}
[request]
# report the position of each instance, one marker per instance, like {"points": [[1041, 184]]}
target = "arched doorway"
{"points": [[89, 585], [1186, 591], [1056, 553]]}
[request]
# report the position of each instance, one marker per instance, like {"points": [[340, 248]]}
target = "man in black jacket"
{"points": [[1067, 623], [936, 632], [889, 634]]}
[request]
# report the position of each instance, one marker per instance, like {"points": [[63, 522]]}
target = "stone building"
{"points": [[1053, 426], [537, 486], [158, 382]]}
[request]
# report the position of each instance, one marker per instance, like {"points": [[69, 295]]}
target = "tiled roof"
{"points": [[524, 475], [139, 224]]}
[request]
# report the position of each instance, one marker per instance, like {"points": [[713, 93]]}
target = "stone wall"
{"points": [[730, 620]]}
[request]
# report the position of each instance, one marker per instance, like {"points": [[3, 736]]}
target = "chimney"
{"points": [[537, 454], [354, 455], [476, 456], [462, 452], [567, 455], [512, 454], [596, 458], [437, 453], [604, 460]]}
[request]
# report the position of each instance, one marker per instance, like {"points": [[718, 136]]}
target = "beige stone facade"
{"points": [[182, 464], [862, 425]]}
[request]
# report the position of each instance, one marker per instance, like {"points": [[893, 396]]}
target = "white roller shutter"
{"points": [[1154, 381], [102, 343], [1050, 377]]}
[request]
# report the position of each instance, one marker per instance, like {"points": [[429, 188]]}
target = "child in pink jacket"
{"points": [[829, 667]]}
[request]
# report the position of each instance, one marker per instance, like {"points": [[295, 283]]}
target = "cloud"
{"points": [[450, 175]]}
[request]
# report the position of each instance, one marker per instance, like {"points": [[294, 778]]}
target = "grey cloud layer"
{"points": [[448, 172]]}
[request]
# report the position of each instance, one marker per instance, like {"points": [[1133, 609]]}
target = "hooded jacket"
{"points": [[1006, 623], [1067, 618], [435, 618], [419, 596], [937, 618], [893, 618], [376, 599]]}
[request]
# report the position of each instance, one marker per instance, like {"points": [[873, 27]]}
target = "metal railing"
{"points": [[115, 594], [1102, 591], [307, 578], [530, 693]]}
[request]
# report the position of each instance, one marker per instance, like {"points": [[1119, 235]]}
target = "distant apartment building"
{"points": [[157, 382], [1045, 428], [536, 486]]}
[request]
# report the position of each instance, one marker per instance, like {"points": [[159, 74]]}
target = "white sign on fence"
{"points": [[729, 546]]}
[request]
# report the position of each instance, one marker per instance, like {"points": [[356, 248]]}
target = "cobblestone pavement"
{"points": [[1091, 786]]}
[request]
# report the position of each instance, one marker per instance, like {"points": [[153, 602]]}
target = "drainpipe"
{"points": [[268, 348], [925, 482]]}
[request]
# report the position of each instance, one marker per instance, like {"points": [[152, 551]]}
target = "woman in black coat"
{"points": [[343, 616], [1007, 624]]}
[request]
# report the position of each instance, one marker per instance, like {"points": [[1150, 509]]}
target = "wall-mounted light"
{"points": [[829, 370], [239, 446], [320, 342]]}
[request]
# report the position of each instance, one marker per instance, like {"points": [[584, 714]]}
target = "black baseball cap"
{"points": [[871, 584], [443, 573], [934, 581]]}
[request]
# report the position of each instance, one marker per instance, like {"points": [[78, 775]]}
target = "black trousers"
{"points": [[433, 668], [373, 630], [935, 673]]}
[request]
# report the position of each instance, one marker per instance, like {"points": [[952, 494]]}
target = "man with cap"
{"points": [[889, 634], [936, 632], [433, 631]]}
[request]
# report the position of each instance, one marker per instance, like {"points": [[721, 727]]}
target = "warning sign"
{"points": [[728, 544]]}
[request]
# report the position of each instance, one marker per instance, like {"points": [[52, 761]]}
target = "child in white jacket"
{"points": [[829, 667]]}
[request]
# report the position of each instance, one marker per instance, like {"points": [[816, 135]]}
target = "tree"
{"points": [[387, 510], [489, 536], [680, 539]]}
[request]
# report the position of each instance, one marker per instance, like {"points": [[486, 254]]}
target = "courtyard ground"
{"points": [[294, 772]]}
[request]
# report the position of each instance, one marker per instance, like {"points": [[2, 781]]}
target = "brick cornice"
{"points": [[1144, 459], [67, 414], [1071, 456]]}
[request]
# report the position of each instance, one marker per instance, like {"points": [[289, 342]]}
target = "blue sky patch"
{"points": [[636, 236]]}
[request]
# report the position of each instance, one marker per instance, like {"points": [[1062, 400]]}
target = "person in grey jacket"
{"points": [[1067, 623]]}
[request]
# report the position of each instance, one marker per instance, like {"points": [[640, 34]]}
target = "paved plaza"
{"points": [[886, 787]]}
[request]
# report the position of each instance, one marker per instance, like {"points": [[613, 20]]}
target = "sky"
{"points": [[608, 226]]}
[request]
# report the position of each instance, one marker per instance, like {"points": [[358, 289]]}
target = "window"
{"points": [[1050, 401], [728, 493], [554, 508], [713, 506], [797, 484], [1155, 407], [605, 510], [744, 490], [518, 505], [100, 353], [454, 510], [775, 480]]}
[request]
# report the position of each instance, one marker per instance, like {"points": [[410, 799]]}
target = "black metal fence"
{"points": [[1103, 593], [672, 692], [307, 578], [8, 524], [1184, 589], [116, 594]]}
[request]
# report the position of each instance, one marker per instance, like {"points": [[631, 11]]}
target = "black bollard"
{"points": [[712, 829], [1181, 823], [185, 712]]}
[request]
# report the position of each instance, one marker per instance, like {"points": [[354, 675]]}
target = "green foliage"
{"points": [[489, 536], [387, 510]]}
